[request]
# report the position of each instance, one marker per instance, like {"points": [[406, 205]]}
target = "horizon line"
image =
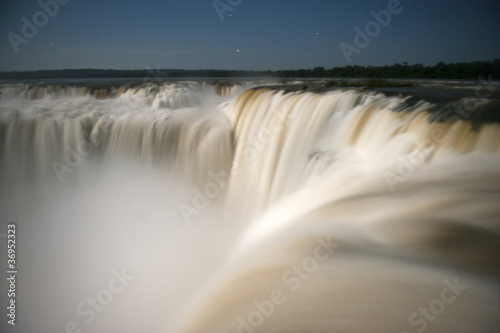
{"points": [[405, 64]]}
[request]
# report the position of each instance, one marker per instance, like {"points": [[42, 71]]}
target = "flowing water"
{"points": [[237, 209]]}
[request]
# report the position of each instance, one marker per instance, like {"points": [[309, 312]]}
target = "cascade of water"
{"points": [[311, 212]]}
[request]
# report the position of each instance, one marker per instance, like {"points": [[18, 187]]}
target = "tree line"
{"points": [[441, 70]]}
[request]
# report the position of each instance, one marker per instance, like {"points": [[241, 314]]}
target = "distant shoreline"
{"points": [[471, 70]]}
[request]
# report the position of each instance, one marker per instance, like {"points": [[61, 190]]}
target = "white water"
{"points": [[212, 203]]}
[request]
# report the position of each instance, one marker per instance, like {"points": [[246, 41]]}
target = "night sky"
{"points": [[243, 34]]}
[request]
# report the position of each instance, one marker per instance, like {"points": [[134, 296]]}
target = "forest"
{"points": [[471, 70]]}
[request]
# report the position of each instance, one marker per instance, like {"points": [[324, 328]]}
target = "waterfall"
{"points": [[242, 209]]}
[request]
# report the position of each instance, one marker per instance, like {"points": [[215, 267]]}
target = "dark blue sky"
{"points": [[256, 34]]}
